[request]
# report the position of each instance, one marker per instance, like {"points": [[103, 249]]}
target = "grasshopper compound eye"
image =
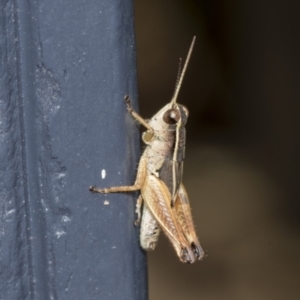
{"points": [[171, 116]]}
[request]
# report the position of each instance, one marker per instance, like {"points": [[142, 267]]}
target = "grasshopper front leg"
{"points": [[136, 116]]}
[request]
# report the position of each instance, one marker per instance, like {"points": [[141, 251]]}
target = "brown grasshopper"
{"points": [[163, 197]]}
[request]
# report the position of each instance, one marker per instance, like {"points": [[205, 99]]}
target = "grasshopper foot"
{"points": [[128, 103], [93, 189]]}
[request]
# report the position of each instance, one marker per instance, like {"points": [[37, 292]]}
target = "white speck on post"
{"points": [[106, 202], [103, 174], [65, 219], [59, 233]]}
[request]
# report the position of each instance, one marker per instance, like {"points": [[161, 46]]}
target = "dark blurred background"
{"points": [[243, 142]]}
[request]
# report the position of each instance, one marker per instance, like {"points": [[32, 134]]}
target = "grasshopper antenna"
{"points": [[179, 82], [178, 76]]}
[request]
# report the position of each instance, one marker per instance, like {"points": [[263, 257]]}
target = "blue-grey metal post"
{"points": [[65, 68]]}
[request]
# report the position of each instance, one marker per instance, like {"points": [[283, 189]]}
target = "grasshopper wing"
{"points": [[158, 199], [184, 217]]}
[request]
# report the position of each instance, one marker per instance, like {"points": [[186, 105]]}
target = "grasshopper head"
{"points": [[169, 118], [171, 115]]}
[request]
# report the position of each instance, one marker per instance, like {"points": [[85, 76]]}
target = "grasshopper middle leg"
{"points": [[140, 178]]}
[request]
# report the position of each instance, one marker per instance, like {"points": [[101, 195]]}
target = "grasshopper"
{"points": [[163, 202]]}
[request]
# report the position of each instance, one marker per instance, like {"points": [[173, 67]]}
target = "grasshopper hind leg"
{"points": [[149, 231]]}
